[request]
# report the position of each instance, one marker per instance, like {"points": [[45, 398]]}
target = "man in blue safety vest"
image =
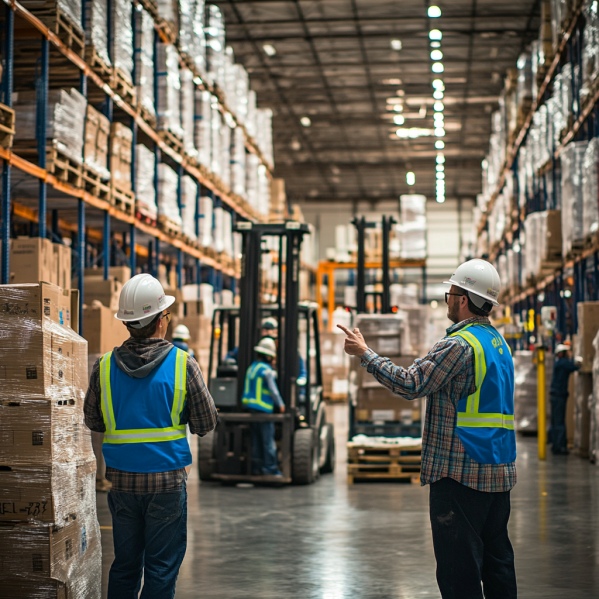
{"points": [[141, 396], [181, 337], [468, 444], [261, 394]]}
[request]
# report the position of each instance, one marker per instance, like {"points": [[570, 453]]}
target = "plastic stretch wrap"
{"points": [[48, 562], [203, 126], [556, 22], [228, 80], [513, 268], [594, 406], [263, 190], [242, 86], [497, 220], [214, 29], [590, 49], [572, 198], [532, 230], [219, 229], [238, 162], [169, 11], [121, 150], [251, 183], [145, 192], [216, 123], [525, 399], [96, 28], [66, 118], [144, 59], [187, 112], [524, 91], [69, 8], [225, 154], [122, 38], [250, 123], [169, 89], [168, 181], [413, 226], [501, 267], [567, 97], [189, 190], [199, 37], [590, 188], [186, 16], [206, 218], [264, 133]]}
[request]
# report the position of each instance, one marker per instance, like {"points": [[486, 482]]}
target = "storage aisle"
{"points": [[334, 541]]}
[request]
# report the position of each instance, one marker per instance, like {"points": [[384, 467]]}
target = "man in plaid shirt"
{"points": [[468, 444]]}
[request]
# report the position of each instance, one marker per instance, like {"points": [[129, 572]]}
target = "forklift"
{"points": [[305, 441]]}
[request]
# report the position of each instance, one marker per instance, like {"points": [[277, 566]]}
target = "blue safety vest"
{"points": [[485, 419], [142, 416], [256, 395]]}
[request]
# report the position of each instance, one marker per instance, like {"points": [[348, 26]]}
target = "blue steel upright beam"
{"points": [[41, 126], [9, 27]]}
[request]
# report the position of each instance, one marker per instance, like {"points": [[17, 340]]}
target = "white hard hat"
{"points": [[181, 332], [480, 279], [266, 346], [141, 299], [561, 347], [270, 324]]}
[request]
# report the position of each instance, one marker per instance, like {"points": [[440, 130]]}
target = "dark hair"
{"points": [[145, 332]]}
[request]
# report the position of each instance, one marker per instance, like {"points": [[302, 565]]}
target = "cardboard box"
{"points": [[200, 329], [102, 330], [43, 431], [33, 302], [107, 291], [62, 262], [588, 326], [378, 403], [32, 260], [177, 308], [91, 134], [75, 316], [583, 385], [121, 273], [379, 324], [53, 493]]}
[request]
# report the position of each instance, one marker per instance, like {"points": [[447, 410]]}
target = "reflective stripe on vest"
{"points": [[141, 435], [472, 417], [255, 373]]}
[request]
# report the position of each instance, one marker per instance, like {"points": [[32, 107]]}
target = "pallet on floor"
{"points": [[123, 199], [383, 461], [7, 126]]}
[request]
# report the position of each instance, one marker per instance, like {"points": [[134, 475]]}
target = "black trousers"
{"points": [[558, 423], [471, 542]]}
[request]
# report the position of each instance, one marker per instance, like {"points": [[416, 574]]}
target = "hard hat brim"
{"points": [[169, 300], [261, 350], [487, 299]]}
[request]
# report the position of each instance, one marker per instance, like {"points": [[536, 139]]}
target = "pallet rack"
{"points": [[92, 215]]}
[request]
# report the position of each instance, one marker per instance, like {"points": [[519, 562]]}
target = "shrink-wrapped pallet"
{"points": [[251, 181], [206, 219], [121, 153], [186, 32], [590, 48], [187, 112], [225, 154], [412, 226], [168, 10], [203, 126], [47, 11], [214, 28], [263, 191], [572, 196], [144, 59], [238, 178], [96, 28], [199, 38], [168, 182], [145, 191], [189, 191], [216, 123], [219, 229], [264, 133], [524, 91], [169, 89], [590, 189], [121, 48], [250, 122]]}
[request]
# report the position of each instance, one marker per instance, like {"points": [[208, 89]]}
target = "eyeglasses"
{"points": [[168, 317], [447, 294]]}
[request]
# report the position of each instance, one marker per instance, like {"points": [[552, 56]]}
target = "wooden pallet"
{"points": [[168, 226], [150, 6], [143, 217], [123, 199], [146, 115], [383, 462], [169, 138], [60, 165], [123, 86], [93, 183], [168, 29], [334, 397], [57, 21], [98, 65], [7, 126]]}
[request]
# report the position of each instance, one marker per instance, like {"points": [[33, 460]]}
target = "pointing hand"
{"points": [[354, 342]]}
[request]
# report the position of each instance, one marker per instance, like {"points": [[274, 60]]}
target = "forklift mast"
{"points": [[290, 236], [385, 297]]}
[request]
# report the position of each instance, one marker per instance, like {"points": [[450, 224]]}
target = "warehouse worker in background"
{"points": [[141, 396], [563, 367], [261, 394], [468, 444], [181, 337]]}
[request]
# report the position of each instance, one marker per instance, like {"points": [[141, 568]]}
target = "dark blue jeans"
{"points": [[264, 448], [558, 423], [471, 542], [150, 537]]}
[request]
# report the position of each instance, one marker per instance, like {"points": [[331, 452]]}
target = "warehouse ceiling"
{"points": [[340, 66]]}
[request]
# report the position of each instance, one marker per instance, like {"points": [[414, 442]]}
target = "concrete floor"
{"points": [[373, 541]]}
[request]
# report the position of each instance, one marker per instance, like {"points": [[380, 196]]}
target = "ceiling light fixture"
{"points": [[440, 159], [438, 94], [438, 67], [435, 44], [440, 199], [305, 121], [439, 132], [434, 12], [436, 55], [398, 107], [438, 84], [269, 50], [440, 168], [440, 175], [439, 144], [398, 119], [435, 35], [410, 178], [439, 106], [396, 45], [392, 81]]}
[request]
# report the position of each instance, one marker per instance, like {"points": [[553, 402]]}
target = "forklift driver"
{"points": [[261, 394]]}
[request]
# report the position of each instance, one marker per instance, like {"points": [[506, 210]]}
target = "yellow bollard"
{"points": [[541, 404]]}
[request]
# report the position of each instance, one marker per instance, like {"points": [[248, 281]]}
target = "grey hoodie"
{"points": [[139, 357]]}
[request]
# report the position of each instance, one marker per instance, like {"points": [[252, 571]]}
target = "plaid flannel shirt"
{"points": [[199, 413], [445, 375]]}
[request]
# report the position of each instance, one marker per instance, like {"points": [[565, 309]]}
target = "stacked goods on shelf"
{"points": [[223, 226], [206, 219], [412, 228], [95, 149], [145, 162], [121, 49], [590, 190], [264, 133], [583, 393], [198, 51], [168, 13], [588, 326], [96, 34], [278, 201], [525, 399], [169, 214], [144, 60], [590, 59], [543, 242], [238, 162], [203, 126], [225, 153], [335, 365], [187, 99], [572, 197], [49, 534], [169, 89], [214, 29], [121, 150], [189, 192], [51, 12], [216, 124], [594, 407]]}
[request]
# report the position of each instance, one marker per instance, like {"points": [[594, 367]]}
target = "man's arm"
{"points": [[91, 407], [199, 407], [271, 383]]}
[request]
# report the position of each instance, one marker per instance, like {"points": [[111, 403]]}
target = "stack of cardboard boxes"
{"points": [[121, 148], [95, 148], [49, 534], [335, 365]]}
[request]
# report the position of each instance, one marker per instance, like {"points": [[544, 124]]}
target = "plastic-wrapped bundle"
{"points": [[228, 80], [44, 8], [122, 38], [144, 59], [219, 229], [251, 181], [567, 98], [168, 182], [186, 26], [525, 399], [199, 38], [96, 28], [169, 89], [590, 188], [227, 233], [145, 191], [225, 157], [250, 123], [513, 269], [205, 217], [214, 28], [590, 49], [215, 144], [532, 263], [572, 198], [169, 11], [66, 119], [524, 91], [498, 220], [203, 126], [242, 86], [264, 133], [189, 190], [187, 112], [263, 190], [238, 162], [556, 23]]}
